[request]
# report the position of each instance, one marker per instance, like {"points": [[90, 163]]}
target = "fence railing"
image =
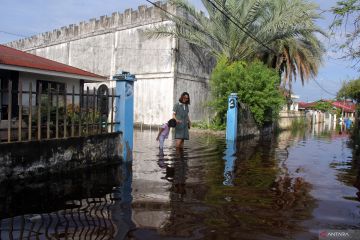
{"points": [[49, 112]]}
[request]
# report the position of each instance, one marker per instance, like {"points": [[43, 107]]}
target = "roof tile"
{"points": [[14, 57]]}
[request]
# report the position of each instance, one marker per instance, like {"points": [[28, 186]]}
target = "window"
{"points": [[52, 86]]}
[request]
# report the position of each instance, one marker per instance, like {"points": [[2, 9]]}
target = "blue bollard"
{"points": [[231, 118], [125, 110], [230, 158]]}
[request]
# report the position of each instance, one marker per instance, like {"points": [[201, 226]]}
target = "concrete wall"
{"points": [[192, 73], [56, 155], [164, 67], [286, 118], [247, 126], [311, 117]]}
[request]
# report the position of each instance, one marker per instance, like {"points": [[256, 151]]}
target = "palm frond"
{"points": [[286, 27]]}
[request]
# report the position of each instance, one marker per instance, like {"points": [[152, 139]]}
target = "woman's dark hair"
{"points": [[184, 94], [172, 122]]}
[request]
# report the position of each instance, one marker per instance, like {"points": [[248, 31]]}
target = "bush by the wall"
{"points": [[255, 84]]}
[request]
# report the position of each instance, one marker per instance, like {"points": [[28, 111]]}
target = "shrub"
{"points": [[255, 84]]}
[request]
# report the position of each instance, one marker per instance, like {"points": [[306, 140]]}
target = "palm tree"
{"points": [[281, 33], [300, 53]]}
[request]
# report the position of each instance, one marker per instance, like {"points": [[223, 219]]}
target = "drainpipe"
{"points": [[124, 114]]}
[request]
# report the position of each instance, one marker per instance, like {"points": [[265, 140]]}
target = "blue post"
{"points": [[125, 110], [231, 119], [230, 157]]}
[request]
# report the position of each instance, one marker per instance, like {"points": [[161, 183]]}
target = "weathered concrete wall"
{"points": [[247, 126], [59, 53], [153, 99], [164, 67], [286, 118], [48, 156], [192, 73]]}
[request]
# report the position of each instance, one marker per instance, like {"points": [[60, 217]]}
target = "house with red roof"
{"points": [[49, 123], [27, 79], [304, 106], [19, 70], [348, 108]]}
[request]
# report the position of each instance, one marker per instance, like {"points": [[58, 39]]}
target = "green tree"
{"points": [[300, 53], [351, 90], [347, 20], [323, 106], [255, 84], [280, 33]]}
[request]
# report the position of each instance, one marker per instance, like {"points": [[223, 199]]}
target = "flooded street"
{"points": [[291, 186]]}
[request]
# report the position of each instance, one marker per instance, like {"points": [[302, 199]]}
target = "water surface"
{"points": [[286, 187]]}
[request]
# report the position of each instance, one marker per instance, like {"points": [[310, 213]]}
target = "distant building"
{"points": [[347, 107], [164, 67], [302, 106], [292, 104]]}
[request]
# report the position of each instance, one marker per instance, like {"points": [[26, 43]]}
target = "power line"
{"points": [[242, 28], [187, 24], [322, 88], [245, 30], [14, 34]]}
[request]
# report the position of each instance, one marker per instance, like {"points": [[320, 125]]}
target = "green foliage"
{"points": [[323, 106], [212, 125], [347, 14], [286, 33], [255, 84], [346, 7], [298, 124], [74, 115], [351, 90]]}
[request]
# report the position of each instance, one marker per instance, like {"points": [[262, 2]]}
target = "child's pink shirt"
{"points": [[165, 132]]}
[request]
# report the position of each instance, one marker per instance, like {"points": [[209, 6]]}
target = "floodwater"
{"points": [[291, 186]]}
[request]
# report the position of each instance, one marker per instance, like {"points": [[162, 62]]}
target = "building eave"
{"points": [[52, 73]]}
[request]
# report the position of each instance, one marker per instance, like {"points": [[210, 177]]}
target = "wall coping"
{"points": [[130, 18]]}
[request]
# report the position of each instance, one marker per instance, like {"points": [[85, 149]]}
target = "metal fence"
{"points": [[52, 112]]}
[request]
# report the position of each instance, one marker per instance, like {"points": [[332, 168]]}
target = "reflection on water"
{"points": [[77, 205], [230, 157], [255, 189], [286, 187]]}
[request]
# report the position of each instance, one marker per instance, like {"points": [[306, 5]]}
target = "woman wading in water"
{"points": [[181, 115]]}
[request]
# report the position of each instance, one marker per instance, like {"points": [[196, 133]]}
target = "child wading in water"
{"points": [[164, 132]]}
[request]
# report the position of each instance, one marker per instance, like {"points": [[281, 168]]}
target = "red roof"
{"points": [[14, 57], [305, 105], [346, 106]]}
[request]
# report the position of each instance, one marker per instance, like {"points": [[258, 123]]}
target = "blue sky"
{"points": [[20, 18]]}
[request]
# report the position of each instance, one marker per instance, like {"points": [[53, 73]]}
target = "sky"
{"points": [[20, 18]]}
